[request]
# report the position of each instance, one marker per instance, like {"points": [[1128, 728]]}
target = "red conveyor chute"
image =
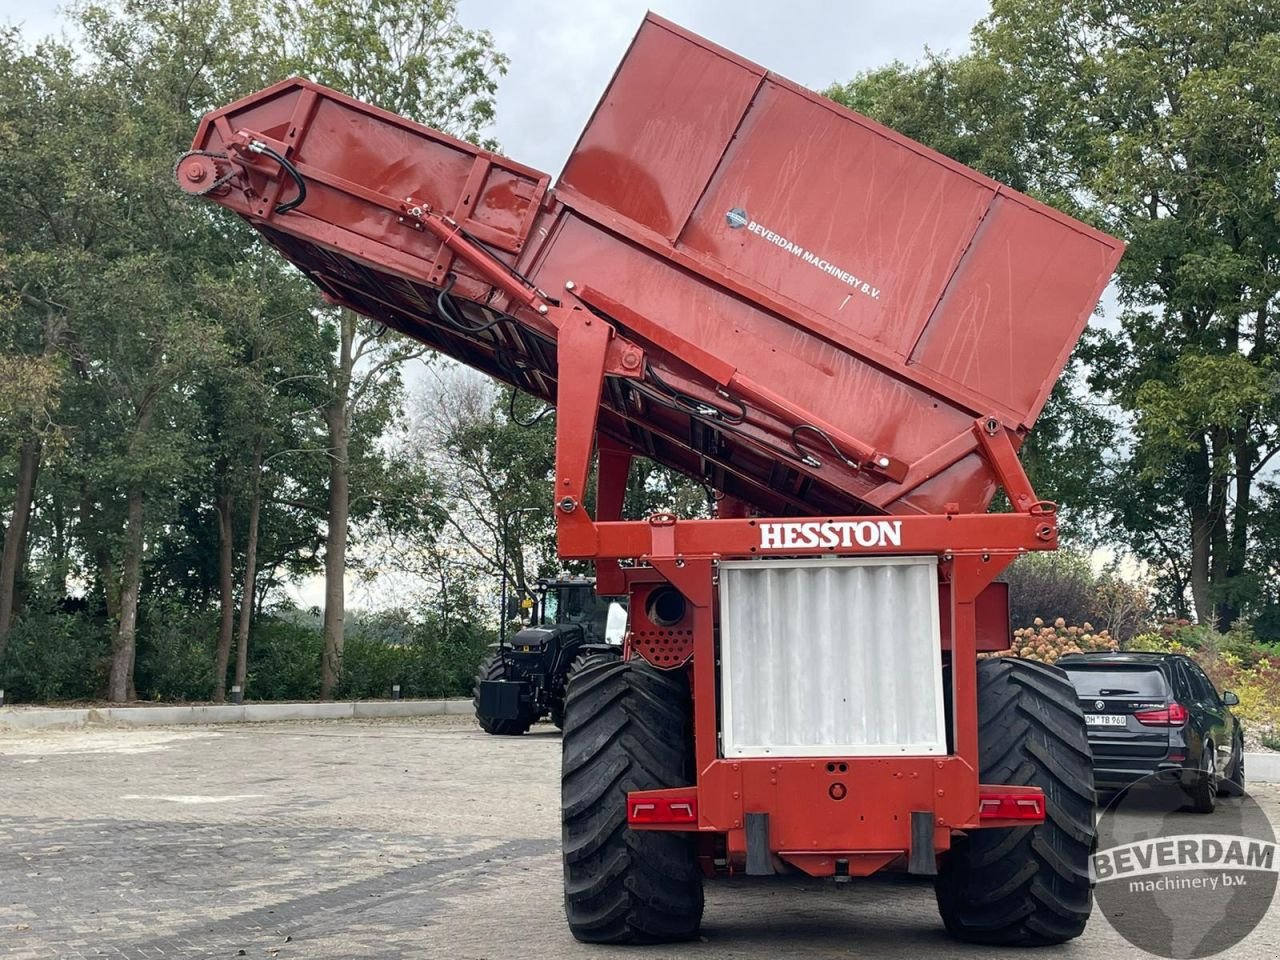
{"points": [[814, 314]]}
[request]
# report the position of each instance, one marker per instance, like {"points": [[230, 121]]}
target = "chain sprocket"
{"points": [[192, 183]]}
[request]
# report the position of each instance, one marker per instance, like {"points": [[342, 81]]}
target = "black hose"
{"points": [[502, 357], [451, 315], [692, 404], [288, 168], [511, 412], [795, 443]]}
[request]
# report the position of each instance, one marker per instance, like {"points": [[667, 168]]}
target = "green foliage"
{"points": [[388, 649], [185, 369], [56, 656], [1164, 117], [62, 655], [284, 660], [175, 651], [1182, 636], [1233, 661], [412, 58]]}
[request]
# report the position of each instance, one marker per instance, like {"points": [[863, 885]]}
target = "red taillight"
{"points": [[1174, 715], [651, 810], [1011, 806]]}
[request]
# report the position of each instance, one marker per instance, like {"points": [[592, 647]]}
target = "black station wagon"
{"points": [[1158, 714]]}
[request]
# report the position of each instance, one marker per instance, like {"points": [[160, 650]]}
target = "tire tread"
{"points": [[626, 728], [1026, 886]]}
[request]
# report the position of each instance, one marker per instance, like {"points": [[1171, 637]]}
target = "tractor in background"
{"points": [[524, 681]]}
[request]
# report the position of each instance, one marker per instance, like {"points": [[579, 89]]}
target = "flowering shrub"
{"points": [[1233, 661], [1047, 643]]}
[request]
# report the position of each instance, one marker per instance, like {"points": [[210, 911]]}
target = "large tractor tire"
{"points": [[626, 727], [579, 663], [492, 669], [1026, 886]]}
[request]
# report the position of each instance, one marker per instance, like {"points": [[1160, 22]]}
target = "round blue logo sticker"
{"points": [[737, 217]]}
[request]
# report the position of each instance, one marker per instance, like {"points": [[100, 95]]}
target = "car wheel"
{"points": [[1203, 792]]}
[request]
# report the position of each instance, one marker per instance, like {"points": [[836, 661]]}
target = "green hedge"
{"points": [[61, 656]]}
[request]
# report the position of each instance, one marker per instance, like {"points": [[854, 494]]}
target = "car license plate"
{"points": [[1106, 719]]}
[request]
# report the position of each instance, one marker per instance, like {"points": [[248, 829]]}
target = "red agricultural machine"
{"points": [[844, 334]]}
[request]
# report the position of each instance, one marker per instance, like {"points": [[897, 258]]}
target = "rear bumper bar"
{"points": [[838, 815], [1113, 773]]}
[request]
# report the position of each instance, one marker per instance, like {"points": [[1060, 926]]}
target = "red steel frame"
{"points": [[866, 828], [869, 827]]}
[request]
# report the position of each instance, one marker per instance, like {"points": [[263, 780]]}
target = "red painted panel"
{"points": [[885, 412], [837, 216], [991, 611], [1016, 307], [660, 129]]}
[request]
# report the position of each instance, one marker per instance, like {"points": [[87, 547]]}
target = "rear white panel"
{"points": [[831, 657]]}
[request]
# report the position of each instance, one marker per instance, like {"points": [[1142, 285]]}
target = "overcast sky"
{"points": [[563, 52]]}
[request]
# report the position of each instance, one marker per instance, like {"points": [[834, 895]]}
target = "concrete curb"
{"points": [[54, 718], [1262, 767]]}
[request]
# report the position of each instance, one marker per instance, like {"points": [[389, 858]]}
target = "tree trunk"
{"points": [[1238, 553], [123, 642], [61, 559], [250, 569], [15, 538], [1196, 494], [226, 592], [338, 419], [1218, 539]]}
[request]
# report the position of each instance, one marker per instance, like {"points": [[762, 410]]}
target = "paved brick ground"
{"points": [[420, 839]]}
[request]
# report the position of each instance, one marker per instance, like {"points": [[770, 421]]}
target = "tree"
{"points": [[101, 245], [223, 429], [1157, 121], [30, 327], [1165, 116], [491, 455], [418, 61], [256, 411], [30, 381], [494, 475], [74, 256]]}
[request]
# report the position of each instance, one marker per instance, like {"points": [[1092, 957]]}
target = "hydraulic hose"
{"points": [[257, 146]]}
